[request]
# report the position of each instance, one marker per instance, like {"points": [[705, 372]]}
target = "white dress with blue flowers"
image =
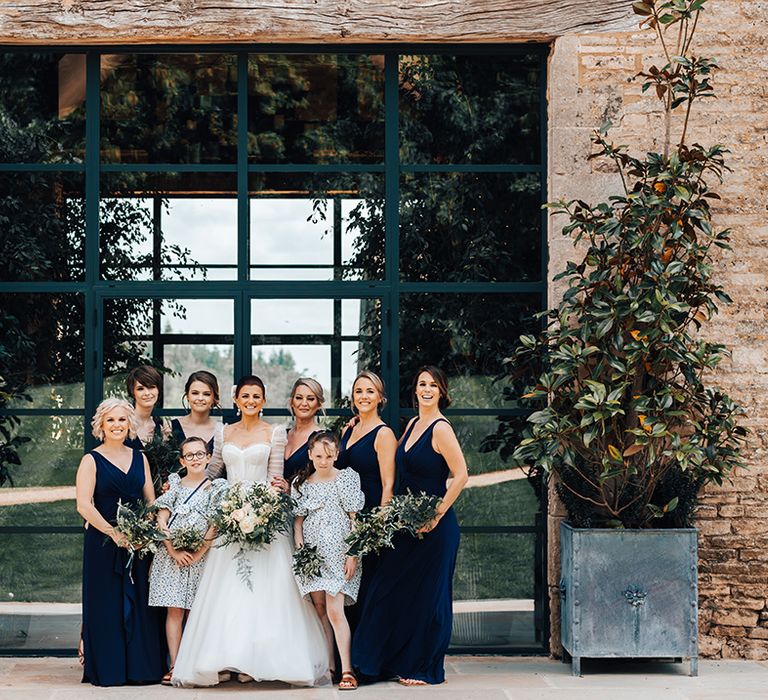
{"points": [[171, 585], [325, 506]]}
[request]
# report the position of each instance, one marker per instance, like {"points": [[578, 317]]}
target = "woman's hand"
{"points": [[351, 423], [279, 483], [299, 543], [429, 525], [350, 566], [118, 538]]}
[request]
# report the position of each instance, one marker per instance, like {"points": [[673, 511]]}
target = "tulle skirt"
{"points": [[269, 632]]}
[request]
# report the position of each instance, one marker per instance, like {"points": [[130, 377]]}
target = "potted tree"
{"points": [[626, 421]]}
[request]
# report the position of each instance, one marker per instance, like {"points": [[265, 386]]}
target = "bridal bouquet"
{"points": [[307, 562], [187, 538], [136, 523], [374, 530], [250, 516]]}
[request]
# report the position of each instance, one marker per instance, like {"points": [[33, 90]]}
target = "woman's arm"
{"points": [[445, 443], [385, 445], [85, 484]]}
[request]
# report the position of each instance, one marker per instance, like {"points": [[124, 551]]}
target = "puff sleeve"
{"points": [[300, 509], [168, 499], [351, 496], [277, 452]]}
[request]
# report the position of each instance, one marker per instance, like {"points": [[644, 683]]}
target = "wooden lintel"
{"points": [[107, 22]]}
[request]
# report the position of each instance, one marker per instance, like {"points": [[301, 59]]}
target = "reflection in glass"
{"points": [[42, 236], [50, 458], [46, 568], [43, 335], [470, 227], [169, 226], [493, 591], [470, 109], [323, 227], [328, 339], [42, 107], [466, 335], [315, 108], [168, 108], [181, 335]]}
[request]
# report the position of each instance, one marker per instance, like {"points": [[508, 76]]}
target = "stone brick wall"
{"points": [[591, 80]]}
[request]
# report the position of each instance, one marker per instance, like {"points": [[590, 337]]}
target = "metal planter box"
{"points": [[629, 593]]}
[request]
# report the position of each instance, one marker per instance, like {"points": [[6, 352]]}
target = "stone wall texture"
{"points": [[591, 80]]}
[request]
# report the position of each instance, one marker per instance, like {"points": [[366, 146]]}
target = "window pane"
{"points": [[470, 109], [493, 591], [41, 568], [44, 337], [328, 339], [468, 336], [470, 227], [42, 100], [317, 227], [169, 226], [168, 108], [49, 459], [42, 235], [182, 335], [315, 109]]}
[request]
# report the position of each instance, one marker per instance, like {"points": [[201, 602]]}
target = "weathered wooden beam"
{"points": [[303, 21]]}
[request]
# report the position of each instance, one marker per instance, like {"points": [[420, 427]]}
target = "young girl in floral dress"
{"points": [[175, 573], [326, 502]]}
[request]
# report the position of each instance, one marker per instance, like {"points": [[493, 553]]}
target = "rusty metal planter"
{"points": [[629, 593]]}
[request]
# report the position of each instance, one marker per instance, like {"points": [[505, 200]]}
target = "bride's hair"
{"points": [[324, 436]]}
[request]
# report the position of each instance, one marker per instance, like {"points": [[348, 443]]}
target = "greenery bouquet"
{"points": [[135, 521], [307, 562], [187, 538]]}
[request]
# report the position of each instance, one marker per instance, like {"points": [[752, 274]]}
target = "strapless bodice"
{"points": [[246, 463]]}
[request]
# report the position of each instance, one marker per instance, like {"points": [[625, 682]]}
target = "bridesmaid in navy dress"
{"points": [[368, 447], [307, 399], [201, 396], [144, 385], [406, 618], [122, 636]]}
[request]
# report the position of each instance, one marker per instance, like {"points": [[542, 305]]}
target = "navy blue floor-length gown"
{"points": [[406, 617], [123, 638]]}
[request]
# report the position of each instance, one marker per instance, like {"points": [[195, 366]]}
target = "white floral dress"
{"points": [[171, 585], [325, 505]]}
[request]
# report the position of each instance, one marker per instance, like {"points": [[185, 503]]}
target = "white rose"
{"points": [[247, 526], [237, 515]]}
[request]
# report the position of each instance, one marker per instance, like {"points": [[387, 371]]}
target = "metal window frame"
{"points": [[95, 290]]}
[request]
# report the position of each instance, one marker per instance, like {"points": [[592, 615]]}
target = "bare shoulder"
{"points": [[385, 434], [87, 461], [443, 430]]}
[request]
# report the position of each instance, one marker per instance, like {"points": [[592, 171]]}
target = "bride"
{"points": [[270, 632]]}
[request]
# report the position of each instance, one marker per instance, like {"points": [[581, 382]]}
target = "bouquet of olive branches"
{"points": [[187, 538], [249, 515], [163, 457], [412, 511], [135, 521], [373, 531], [307, 562]]}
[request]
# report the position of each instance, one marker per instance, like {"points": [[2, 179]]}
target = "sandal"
{"points": [[411, 682], [166, 680], [348, 681]]}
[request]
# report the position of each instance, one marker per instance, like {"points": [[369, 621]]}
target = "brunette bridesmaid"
{"points": [[122, 636], [406, 617]]}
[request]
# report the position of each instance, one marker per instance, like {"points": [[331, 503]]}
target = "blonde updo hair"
{"points": [[314, 386], [105, 407], [378, 384]]}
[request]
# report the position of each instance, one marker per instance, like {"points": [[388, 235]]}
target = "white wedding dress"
{"points": [[269, 633]]}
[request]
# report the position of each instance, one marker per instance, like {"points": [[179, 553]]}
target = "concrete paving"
{"points": [[469, 678]]}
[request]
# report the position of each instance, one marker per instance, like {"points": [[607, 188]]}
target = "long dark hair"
{"points": [[318, 436]]}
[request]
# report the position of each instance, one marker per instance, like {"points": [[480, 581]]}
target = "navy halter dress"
{"points": [[123, 638], [407, 615]]}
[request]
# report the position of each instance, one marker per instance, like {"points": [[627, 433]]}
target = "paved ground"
{"points": [[469, 678]]}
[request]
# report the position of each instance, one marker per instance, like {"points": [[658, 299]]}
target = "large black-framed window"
{"points": [[289, 210]]}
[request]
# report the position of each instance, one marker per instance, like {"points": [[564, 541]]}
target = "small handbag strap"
{"points": [[188, 498]]}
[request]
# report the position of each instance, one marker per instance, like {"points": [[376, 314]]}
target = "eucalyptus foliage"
{"points": [[627, 419]]}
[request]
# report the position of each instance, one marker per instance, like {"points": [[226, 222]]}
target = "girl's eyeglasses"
{"points": [[194, 455]]}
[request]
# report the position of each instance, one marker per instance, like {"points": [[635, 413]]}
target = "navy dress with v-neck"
{"points": [[406, 617], [123, 638], [361, 456], [296, 462]]}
